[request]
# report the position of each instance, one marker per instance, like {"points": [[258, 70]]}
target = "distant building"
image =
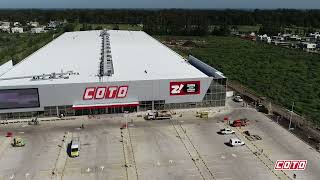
{"points": [[34, 24], [277, 38], [15, 24], [308, 39], [264, 38], [17, 30], [5, 27], [309, 46], [286, 36], [37, 30], [315, 35], [5, 23], [295, 37]]}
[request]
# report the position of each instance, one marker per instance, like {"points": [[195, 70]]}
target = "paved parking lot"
{"points": [[186, 148]]}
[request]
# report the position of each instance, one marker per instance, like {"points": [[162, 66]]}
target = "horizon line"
{"points": [[243, 9]]}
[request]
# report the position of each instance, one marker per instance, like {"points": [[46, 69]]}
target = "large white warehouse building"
{"points": [[106, 72]]}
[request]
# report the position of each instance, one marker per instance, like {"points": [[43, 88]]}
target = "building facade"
{"points": [[137, 82]]}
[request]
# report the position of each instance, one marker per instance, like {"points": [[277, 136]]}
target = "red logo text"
{"points": [[184, 88], [290, 165], [110, 92]]}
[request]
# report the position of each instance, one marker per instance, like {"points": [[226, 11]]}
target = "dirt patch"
{"points": [[300, 133], [185, 43]]}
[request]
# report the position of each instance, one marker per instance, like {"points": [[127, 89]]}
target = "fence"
{"points": [[299, 121]]}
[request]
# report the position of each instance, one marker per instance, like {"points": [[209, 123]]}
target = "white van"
{"points": [[236, 142]]}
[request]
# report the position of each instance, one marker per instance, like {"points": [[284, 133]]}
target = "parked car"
{"points": [[226, 131], [236, 142], [238, 99]]}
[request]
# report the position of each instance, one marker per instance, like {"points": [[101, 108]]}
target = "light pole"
{"points": [[291, 115]]}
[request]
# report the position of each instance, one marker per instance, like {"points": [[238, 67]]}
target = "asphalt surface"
{"points": [[186, 148]]}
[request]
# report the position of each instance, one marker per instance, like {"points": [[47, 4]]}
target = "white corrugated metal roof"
{"points": [[133, 53]]}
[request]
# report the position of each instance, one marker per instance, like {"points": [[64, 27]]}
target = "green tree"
{"points": [[270, 29], [116, 27], [69, 27]]}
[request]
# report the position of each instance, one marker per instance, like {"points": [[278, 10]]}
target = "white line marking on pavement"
{"points": [[234, 155], [217, 172]]}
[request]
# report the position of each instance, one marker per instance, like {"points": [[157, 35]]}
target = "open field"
{"points": [[248, 29], [281, 74], [16, 47], [183, 148], [111, 26]]}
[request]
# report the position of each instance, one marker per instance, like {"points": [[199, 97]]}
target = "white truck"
{"points": [[236, 142], [238, 99]]}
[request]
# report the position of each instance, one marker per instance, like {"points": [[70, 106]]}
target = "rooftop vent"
{"points": [[54, 75], [106, 64]]}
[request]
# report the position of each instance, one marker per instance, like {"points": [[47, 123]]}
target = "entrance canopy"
{"points": [[100, 106]]}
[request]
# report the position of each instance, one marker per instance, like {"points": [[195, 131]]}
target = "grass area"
{"points": [[248, 29], [16, 47], [284, 75]]}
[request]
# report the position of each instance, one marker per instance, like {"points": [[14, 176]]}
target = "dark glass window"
{"points": [[19, 98]]}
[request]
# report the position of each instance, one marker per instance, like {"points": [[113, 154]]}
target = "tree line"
{"points": [[173, 21]]}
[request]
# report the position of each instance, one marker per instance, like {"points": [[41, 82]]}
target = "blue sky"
{"points": [[265, 4]]}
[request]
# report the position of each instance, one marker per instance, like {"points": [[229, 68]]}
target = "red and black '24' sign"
{"points": [[184, 88]]}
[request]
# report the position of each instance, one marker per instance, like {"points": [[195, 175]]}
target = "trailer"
{"points": [[157, 115], [240, 122]]}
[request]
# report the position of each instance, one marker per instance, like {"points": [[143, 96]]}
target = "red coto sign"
{"points": [[110, 92], [290, 165], [184, 88]]}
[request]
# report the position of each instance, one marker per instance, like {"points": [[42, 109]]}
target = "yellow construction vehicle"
{"points": [[203, 114], [75, 146], [18, 142]]}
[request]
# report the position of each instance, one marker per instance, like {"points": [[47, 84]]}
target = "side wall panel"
{"points": [[72, 94]]}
